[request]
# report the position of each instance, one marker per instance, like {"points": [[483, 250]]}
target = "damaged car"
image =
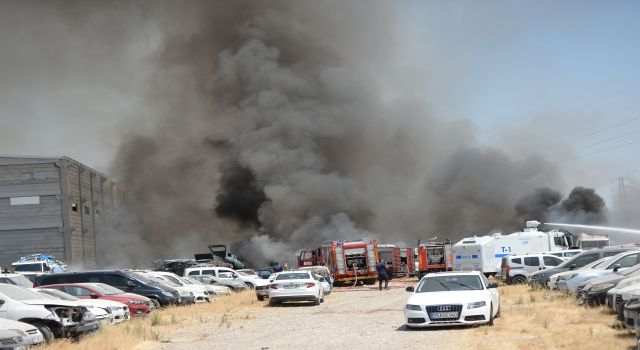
{"points": [[53, 318]]}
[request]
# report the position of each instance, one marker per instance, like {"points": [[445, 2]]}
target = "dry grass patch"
{"points": [[540, 319], [221, 312]]}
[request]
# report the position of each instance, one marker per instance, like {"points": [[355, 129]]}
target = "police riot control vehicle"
{"points": [[484, 253], [38, 264]]}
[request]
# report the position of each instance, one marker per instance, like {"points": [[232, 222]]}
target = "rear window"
{"points": [[532, 261], [549, 261], [292, 276], [567, 254]]}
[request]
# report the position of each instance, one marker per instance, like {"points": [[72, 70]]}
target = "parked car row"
{"points": [[607, 276]]}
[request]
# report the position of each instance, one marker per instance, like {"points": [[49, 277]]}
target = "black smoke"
{"points": [[239, 197], [536, 205]]}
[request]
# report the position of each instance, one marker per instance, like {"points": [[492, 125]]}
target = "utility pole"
{"points": [[619, 194]]}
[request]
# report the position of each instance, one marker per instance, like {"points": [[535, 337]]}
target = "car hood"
{"points": [[51, 302], [125, 297], [615, 278], [628, 289], [100, 302], [449, 297], [260, 282], [11, 324]]}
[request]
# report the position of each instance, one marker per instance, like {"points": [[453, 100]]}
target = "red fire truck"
{"points": [[347, 260], [434, 257], [400, 261]]}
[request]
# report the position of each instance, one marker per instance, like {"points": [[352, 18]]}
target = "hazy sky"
{"points": [[543, 72]]}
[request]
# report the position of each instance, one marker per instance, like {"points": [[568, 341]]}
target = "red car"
{"points": [[139, 305]]}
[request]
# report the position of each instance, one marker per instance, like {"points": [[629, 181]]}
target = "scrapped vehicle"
{"points": [[219, 275], [137, 304], [53, 318], [116, 312], [130, 282], [102, 315], [30, 334], [452, 298], [565, 254], [297, 285], [186, 295], [542, 277], [552, 284], [615, 295], [15, 279], [323, 272], [265, 272], [569, 283], [631, 311], [221, 251], [515, 269], [200, 293], [594, 291], [38, 263], [213, 288], [12, 339], [176, 266]]}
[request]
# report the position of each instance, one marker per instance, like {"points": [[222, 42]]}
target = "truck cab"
{"points": [[38, 264]]}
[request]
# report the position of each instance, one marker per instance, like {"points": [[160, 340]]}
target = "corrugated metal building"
{"points": [[53, 205]]}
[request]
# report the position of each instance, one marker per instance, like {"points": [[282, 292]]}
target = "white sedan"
{"points": [[295, 286], [452, 298]]}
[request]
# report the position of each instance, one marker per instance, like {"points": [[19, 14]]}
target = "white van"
{"points": [[515, 269]]}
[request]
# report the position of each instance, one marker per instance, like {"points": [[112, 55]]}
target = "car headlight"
{"points": [[601, 287], [413, 307], [477, 304], [108, 309], [136, 302], [568, 277], [168, 294]]}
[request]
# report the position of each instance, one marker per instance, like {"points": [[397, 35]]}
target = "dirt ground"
{"points": [[350, 318]]}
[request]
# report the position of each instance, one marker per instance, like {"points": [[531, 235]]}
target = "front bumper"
{"points": [[421, 319], [84, 328], [630, 317], [262, 291]]}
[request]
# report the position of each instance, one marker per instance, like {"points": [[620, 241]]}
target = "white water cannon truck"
{"points": [[484, 253]]}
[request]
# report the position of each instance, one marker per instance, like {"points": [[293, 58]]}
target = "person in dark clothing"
{"points": [[382, 274]]}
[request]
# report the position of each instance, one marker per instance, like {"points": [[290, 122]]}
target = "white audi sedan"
{"points": [[452, 298], [295, 286]]}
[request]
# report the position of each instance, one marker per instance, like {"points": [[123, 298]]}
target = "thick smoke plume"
{"points": [[272, 130], [268, 126], [582, 206]]}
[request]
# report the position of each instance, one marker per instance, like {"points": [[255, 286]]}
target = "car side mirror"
{"points": [[2, 302], [573, 267], [410, 289], [492, 285], [321, 279], [94, 296], [616, 267], [130, 284]]}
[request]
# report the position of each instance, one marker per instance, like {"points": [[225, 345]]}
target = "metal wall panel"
{"points": [[17, 243]]}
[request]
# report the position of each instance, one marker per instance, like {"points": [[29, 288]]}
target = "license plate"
{"points": [[437, 315], [290, 286]]}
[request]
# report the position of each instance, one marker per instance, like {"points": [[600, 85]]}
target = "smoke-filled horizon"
{"points": [[269, 126]]}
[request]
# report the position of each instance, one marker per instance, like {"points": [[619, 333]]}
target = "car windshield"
{"points": [[172, 279], [449, 283], [292, 276], [186, 280], [36, 267], [163, 280], [56, 294], [17, 280], [18, 293], [142, 278], [106, 289]]}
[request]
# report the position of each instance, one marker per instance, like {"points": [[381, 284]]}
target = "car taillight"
{"points": [[507, 268], [273, 286], [310, 284]]}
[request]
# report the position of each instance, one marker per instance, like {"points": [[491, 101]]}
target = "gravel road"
{"points": [[350, 318]]}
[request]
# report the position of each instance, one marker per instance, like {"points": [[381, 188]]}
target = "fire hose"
{"points": [[355, 270]]}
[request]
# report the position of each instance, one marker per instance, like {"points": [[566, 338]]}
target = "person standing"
{"points": [[382, 274]]}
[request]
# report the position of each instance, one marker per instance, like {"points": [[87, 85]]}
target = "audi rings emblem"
{"points": [[444, 308]]}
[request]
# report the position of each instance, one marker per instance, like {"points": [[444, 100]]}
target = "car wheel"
{"points": [[156, 303], [260, 297], [272, 302], [249, 285], [518, 280], [46, 332], [490, 323], [316, 301], [498, 313]]}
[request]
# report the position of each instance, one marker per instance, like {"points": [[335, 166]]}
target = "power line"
{"points": [[601, 130], [607, 140], [608, 149]]}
